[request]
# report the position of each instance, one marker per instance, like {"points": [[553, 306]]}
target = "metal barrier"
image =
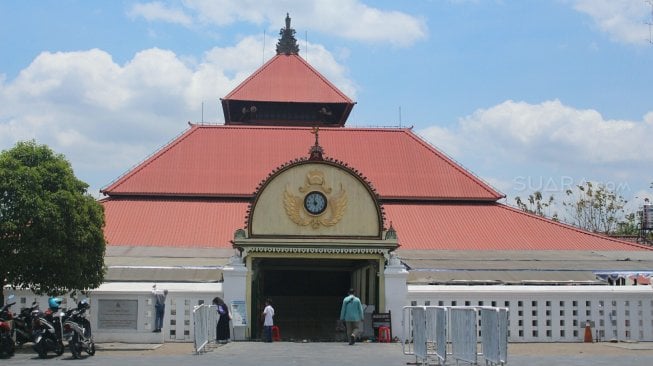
{"points": [[428, 331], [441, 316], [205, 318], [463, 334], [494, 322], [419, 332]]}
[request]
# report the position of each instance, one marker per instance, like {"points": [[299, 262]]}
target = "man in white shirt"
{"points": [[159, 307], [268, 313]]}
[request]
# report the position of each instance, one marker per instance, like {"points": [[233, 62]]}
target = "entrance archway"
{"points": [[307, 293]]}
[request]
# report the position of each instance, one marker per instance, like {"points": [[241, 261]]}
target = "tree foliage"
{"points": [[629, 225], [596, 208], [51, 229], [536, 204]]}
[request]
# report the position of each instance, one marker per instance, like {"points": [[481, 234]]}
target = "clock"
{"points": [[315, 203]]}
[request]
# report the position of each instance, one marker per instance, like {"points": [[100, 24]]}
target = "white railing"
{"points": [[205, 319]]}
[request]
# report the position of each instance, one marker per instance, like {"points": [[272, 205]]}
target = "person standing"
{"points": [[351, 313], [159, 307], [268, 322], [222, 333]]}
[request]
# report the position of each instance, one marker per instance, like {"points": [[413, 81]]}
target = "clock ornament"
{"points": [[318, 207]]}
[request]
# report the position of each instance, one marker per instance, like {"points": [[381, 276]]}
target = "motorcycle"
{"points": [[48, 330], [23, 324], [80, 327], [7, 345]]}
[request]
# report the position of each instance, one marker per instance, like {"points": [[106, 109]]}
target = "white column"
{"points": [[396, 291], [234, 288]]}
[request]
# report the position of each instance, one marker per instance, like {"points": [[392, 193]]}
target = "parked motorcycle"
{"points": [[80, 327], [7, 345], [23, 324], [48, 329]]}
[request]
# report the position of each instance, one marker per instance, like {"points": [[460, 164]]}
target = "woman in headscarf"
{"points": [[222, 329]]}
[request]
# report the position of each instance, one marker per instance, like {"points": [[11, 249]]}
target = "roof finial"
{"points": [[287, 43], [315, 153], [316, 131]]}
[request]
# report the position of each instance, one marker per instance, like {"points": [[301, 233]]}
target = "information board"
{"points": [[238, 313], [118, 314]]}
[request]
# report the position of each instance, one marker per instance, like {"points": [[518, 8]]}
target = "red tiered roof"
{"points": [[494, 226], [444, 226], [287, 78], [194, 192], [230, 161]]}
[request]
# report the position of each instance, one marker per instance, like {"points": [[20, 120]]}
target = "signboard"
{"points": [[381, 320], [118, 314], [238, 313]]}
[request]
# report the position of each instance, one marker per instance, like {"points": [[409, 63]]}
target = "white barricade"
{"points": [[205, 319], [494, 335], [428, 330], [441, 316], [419, 333], [463, 334]]}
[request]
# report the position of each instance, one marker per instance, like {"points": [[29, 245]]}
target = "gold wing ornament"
{"points": [[293, 204], [337, 208]]}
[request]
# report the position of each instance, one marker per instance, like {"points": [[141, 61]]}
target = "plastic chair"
{"points": [[384, 334], [276, 333]]}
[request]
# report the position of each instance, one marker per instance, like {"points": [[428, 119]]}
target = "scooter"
{"points": [[23, 324], [7, 345], [48, 330], [80, 327]]}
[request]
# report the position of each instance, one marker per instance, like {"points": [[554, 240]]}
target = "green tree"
{"points": [[536, 204], [629, 225], [596, 208], [51, 229]]}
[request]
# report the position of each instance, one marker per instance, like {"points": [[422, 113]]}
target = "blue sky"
{"points": [[528, 95]]}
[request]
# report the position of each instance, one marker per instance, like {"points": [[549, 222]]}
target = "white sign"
{"points": [[238, 313]]}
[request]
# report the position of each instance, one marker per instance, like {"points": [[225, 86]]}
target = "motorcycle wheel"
{"points": [[40, 349], [91, 349], [60, 348], [75, 347], [7, 347]]}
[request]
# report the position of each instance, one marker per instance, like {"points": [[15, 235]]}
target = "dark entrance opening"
{"points": [[306, 295]]}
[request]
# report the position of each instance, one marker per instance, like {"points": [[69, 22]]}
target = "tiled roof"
{"points": [[287, 78], [172, 223], [230, 161], [492, 226], [193, 223]]}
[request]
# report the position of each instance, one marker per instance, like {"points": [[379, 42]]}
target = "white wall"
{"points": [[554, 313]]}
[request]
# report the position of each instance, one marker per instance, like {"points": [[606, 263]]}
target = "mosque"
{"points": [[284, 201]]}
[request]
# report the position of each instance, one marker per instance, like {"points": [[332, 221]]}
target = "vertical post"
{"points": [[237, 286], [393, 291]]}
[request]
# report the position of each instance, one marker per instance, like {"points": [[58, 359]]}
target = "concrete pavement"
{"points": [[375, 354]]}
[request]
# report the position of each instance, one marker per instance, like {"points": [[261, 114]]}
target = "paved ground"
{"points": [[376, 354]]}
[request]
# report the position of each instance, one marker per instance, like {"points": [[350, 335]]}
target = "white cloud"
{"points": [[623, 20], [106, 117], [157, 11], [350, 19], [551, 129], [521, 147]]}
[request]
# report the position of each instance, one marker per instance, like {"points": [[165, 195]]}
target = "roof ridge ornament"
{"points": [[316, 151], [287, 44]]}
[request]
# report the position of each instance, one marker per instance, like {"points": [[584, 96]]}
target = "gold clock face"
{"points": [[315, 202]]}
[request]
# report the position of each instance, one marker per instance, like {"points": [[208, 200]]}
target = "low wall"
{"points": [[554, 313]]}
